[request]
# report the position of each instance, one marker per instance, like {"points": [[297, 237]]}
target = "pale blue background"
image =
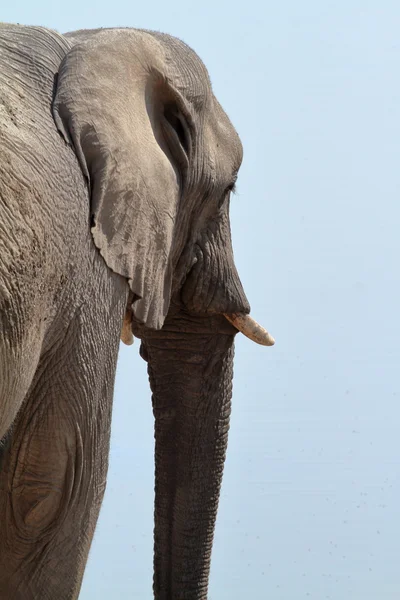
{"points": [[311, 495]]}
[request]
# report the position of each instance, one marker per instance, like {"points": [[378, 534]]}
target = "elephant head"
{"points": [[161, 158]]}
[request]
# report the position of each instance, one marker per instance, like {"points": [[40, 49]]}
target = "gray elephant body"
{"points": [[116, 164], [57, 301]]}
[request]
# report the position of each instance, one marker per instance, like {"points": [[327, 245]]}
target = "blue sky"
{"points": [[310, 498]]}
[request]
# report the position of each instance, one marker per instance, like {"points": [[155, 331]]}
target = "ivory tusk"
{"points": [[251, 329], [126, 332]]}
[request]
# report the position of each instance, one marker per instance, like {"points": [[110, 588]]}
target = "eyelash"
{"points": [[232, 188]]}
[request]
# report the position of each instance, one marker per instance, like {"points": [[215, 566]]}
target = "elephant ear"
{"points": [[107, 105]]}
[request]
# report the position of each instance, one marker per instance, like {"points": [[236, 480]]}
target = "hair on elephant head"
{"points": [[122, 220]]}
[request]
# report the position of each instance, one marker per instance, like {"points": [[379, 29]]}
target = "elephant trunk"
{"points": [[191, 381]]}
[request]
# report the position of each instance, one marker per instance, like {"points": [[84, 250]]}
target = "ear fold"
{"points": [[106, 106]]}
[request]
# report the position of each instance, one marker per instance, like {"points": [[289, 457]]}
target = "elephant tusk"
{"points": [[126, 332], [250, 328]]}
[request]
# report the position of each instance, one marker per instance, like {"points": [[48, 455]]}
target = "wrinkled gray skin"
{"points": [[116, 165]]}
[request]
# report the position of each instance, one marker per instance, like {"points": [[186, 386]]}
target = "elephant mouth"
{"points": [[243, 323]]}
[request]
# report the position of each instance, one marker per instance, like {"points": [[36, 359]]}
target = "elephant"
{"points": [[116, 167]]}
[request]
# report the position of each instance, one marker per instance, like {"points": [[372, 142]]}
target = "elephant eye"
{"points": [[176, 123], [231, 189]]}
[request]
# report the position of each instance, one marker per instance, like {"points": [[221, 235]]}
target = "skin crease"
{"points": [[86, 231]]}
